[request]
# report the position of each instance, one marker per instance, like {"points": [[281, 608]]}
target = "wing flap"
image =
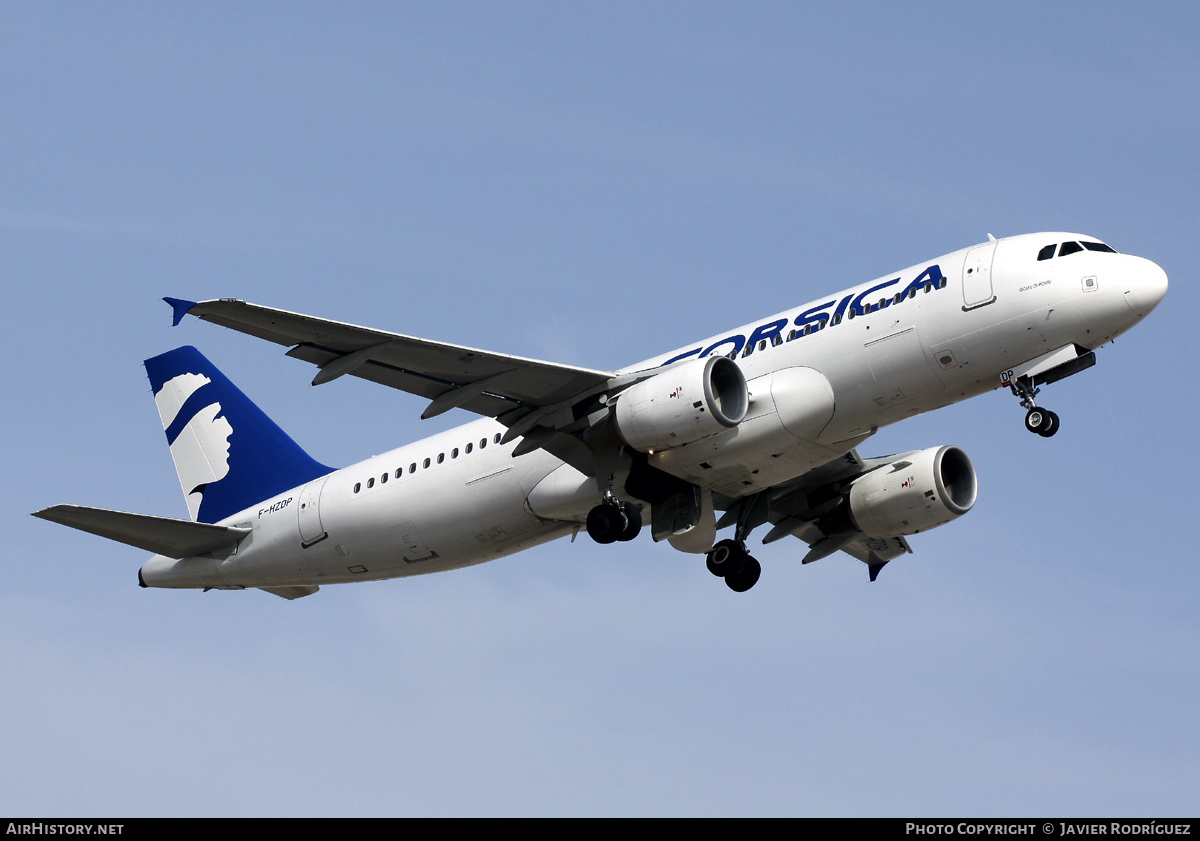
{"points": [[160, 535], [876, 551]]}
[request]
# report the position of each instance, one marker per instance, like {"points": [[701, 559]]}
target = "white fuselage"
{"points": [[903, 344]]}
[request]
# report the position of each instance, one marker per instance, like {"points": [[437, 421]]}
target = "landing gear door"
{"points": [[977, 276], [309, 512]]}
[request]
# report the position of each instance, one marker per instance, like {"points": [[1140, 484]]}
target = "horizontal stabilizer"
{"points": [[160, 535]]}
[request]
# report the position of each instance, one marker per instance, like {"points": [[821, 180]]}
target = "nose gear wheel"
{"points": [[1042, 421]]}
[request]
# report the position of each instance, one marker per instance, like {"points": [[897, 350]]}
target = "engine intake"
{"points": [[686, 403], [918, 492]]}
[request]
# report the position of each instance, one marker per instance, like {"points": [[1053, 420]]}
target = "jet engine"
{"points": [[915, 493], [683, 404]]}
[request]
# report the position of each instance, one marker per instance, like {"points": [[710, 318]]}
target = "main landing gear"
{"points": [[613, 520], [730, 560], [1042, 421]]}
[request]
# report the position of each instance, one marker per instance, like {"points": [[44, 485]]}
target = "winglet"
{"points": [[179, 308]]}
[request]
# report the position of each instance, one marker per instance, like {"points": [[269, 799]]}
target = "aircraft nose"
{"points": [[1145, 287]]}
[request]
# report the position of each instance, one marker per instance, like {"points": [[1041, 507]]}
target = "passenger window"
{"points": [[371, 482], [441, 457], [468, 449], [482, 443], [1047, 252], [357, 487], [400, 471], [497, 438], [454, 453], [412, 468], [1069, 248], [749, 350], [383, 478], [425, 464]]}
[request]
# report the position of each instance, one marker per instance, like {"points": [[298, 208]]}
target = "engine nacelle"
{"points": [[691, 401], [913, 494]]}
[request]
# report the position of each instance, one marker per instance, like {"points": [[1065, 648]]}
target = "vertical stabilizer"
{"points": [[228, 453]]}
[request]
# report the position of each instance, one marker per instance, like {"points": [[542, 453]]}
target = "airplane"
{"points": [[758, 426]]}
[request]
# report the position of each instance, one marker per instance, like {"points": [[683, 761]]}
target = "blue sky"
{"points": [[592, 184]]}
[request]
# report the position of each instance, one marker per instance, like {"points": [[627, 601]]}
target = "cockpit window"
{"points": [[1047, 252], [1098, 246], [1069, 248]]}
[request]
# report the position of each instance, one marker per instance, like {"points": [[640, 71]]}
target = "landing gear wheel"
{"points": [[744, 578], [1051, 425], [1039, 420], [725, 558], [633, 521], [606, 522]]}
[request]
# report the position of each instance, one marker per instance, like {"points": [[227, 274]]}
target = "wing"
{"points": [[523, 394], [450, 376]]}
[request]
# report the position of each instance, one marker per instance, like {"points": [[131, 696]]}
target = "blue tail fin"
{"points": [[228, 454]]}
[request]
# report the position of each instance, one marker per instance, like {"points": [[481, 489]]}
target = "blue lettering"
{"points": [[813, 316], [737, 341], [857, 308], [931, 278], [682, 356], [817, 317], [767, 331], [841, 308]]}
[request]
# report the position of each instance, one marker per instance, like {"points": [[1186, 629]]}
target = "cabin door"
{"points": [[977, 277], [309, 513]]}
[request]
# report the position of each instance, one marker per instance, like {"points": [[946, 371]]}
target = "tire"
{"points": [[633, 522], [605, 523], [725, 558], [1036, 420], [746, 577], [1050, 426]]}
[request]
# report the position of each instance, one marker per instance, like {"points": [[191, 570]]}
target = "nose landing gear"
{"points": [[1038, 420]]}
